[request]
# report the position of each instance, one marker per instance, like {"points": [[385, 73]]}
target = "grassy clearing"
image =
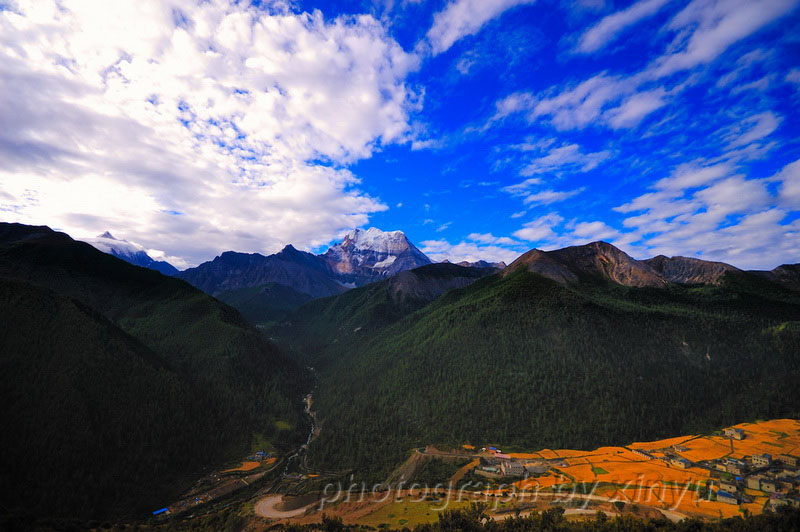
{"points": [[407, 513]]}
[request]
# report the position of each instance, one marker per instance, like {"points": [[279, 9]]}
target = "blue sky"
{"points": [[481, 128]]}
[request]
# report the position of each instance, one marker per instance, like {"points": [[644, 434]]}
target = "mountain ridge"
{"points": [[129, 252], [99, 330], [603, 261]]}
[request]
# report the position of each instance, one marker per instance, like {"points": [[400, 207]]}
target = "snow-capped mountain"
{"points": [[130, 252], [367, 256]]}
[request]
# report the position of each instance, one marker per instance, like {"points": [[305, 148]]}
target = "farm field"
{"points": [[628, 476], [611, 478]]}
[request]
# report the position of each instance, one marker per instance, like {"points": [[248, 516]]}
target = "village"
{"points": [[748, 468], [752, 467]]}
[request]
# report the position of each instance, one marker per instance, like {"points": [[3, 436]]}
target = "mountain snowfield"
{"points": [[130, 252], [367, 256]]}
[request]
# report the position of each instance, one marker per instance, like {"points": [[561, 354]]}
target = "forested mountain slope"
{"points": [[201, 382], [525, 361], [361, 312]]}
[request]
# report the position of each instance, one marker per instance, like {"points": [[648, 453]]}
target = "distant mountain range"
{"points": [[264, 288]]}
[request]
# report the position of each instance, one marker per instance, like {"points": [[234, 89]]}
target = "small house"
{"points": [[734, 469], [728, 498], [736, 434], [683, 463], [776, 500], [761, 460], [729, 487], [754, 482], [512, 469], [643, 454], [787, 459], [770, 486]]}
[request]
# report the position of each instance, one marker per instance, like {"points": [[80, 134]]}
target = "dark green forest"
{"points": [[122, 385], [265, 304], [525, 362]]}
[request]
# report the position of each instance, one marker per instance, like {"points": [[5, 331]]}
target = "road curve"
{"points": [[266, 507]]}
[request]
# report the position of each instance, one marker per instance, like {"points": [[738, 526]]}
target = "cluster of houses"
{"points": [[500, 464], [778, 476]]}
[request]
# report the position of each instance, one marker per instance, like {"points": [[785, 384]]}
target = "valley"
{"points": [[350, 391]]}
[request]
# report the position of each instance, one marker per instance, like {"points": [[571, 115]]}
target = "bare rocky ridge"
{"points": [[601, 260], [482, 264], [687, 270], [595, 260]]}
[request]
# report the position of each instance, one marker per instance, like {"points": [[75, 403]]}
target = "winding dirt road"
{"points": [[266, 507]]}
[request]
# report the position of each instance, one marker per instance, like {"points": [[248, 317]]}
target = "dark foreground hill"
{"points": [[119, 383], [523, 360]]}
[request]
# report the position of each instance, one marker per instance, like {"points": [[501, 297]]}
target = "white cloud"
{"points": [[605, 31], [717, 215], [440, 250], [789, 191], [565, 157], [540, 229], [706, 28], [702, 31], [689, 175], [547, 197], [793, 76], [600, 100], [593, 231], [461, 18], [522, 188], [124, 118], [489, 238], [635, 108], [753, 128]]}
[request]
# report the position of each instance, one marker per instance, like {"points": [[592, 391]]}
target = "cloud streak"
{"points": [[461, 18], [609, 28]]}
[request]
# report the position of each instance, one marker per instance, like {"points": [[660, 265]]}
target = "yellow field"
{"points": [[650, 477], [246, 466]]}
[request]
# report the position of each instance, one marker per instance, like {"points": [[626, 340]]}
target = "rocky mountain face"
{"points": [[301, 271], [361, 258], [483, 264], [595, 260], [130, 252], [600, 260], [686, 270], [367, 256]]}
